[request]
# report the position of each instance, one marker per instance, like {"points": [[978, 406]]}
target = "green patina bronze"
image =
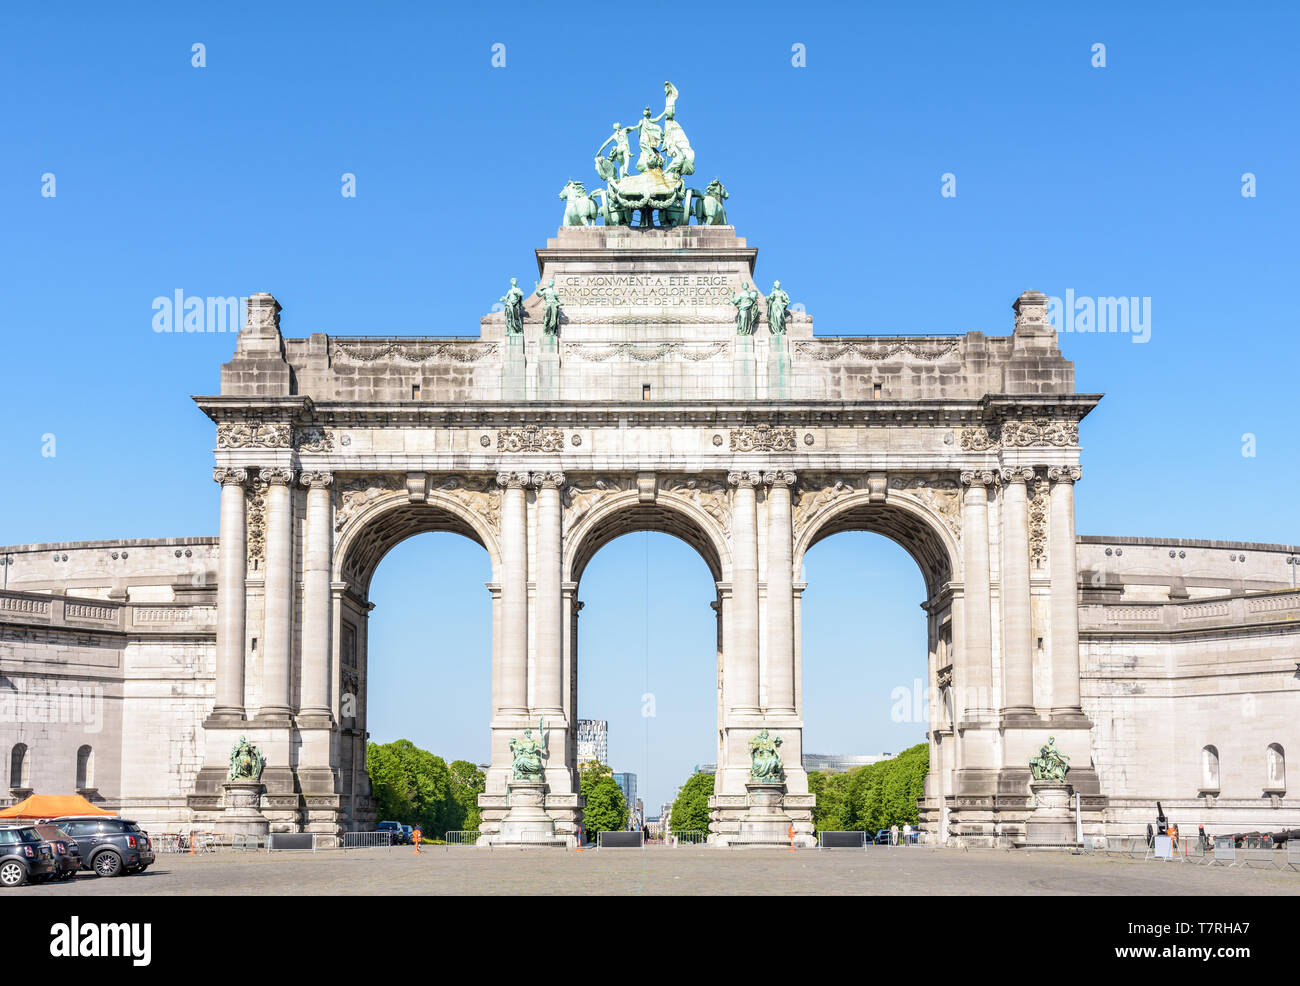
{"points": [[550, 296], [746, 303], [1050, 764], [765, 759], [527, 753], [657, 187], [778, 305], [246, 762], [514, 308]]}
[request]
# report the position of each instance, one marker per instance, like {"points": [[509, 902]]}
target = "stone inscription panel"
{"points": [[644, 290]]}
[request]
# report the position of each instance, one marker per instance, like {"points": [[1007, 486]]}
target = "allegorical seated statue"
{"points": [[1050, 764], [778, 305], [246, 762], [550, 296], [765, 760], [514, 308], [527, 753]]}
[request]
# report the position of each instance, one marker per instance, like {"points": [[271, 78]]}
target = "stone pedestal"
{"points": [[765, 824], [1050, 824], [546, 386], [527, 823], [242, 814], [513, 369]]}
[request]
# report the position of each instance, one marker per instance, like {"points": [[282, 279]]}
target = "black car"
{"points": [[396, 832], [65, 850], [109, 846], [24, 856]]}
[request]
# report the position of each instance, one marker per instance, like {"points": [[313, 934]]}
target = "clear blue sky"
{"points": [[224, 180]]}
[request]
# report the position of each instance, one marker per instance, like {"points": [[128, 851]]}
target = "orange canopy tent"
{"points": [[52, 806]]}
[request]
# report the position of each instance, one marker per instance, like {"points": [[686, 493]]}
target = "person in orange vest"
{"points": [[416, 836]]}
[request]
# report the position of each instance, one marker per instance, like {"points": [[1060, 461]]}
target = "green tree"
{"points": [[410, 785], [606, 809], [691, 806], [467, 783]]}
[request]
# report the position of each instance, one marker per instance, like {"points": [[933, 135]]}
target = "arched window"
{"points": [[1210, 769], [85, 768], [1276, 759], [20, 767]]}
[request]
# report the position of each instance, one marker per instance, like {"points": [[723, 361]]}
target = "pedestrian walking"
{"points": [[907, 833], [416, 836], [893, 834]]}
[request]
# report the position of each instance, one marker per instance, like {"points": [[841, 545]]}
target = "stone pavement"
{"points": [[877, 871]]}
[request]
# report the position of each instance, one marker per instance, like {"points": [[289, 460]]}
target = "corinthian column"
{"points": [[1018, 673], [977, 634], [1064, 571], [514, 593], [277, 657], [317, 622], [230, 594], [549, 699], [742, 611], [778, 686]]}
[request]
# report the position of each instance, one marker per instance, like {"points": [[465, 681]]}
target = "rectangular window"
{"points": [[415, 391], [645, 392], [875, 390]]}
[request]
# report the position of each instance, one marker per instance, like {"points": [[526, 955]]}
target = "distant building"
{"points": [[593, 740], [627, 784]]}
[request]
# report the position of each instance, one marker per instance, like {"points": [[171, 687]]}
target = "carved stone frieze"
{"points": [[979, 439], [480, 494], [255, 514], [313, 439], [1037, 432], [763, 438], [580, 496], [816, 493], [940, 493], [710, 495], [1021, 433], [356, 492], [647, 354], [874, 351], [1038, 521], [253, 434], [530, 438], [438, 352]]}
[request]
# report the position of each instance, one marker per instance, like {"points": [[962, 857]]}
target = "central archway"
{"points": [[373, 519], [623, 513]]}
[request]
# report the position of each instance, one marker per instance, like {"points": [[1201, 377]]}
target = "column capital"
{"points": [[1064, 474], [316, 480], [546, 480], [978, 478], [744, 480], [779, 477], [276, 476], [229, 477], [1017, 474], [512, 480]]}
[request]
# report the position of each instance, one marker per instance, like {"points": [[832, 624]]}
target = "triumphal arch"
{"points": [[647, 383]]}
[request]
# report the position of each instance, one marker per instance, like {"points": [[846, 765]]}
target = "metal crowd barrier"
{"points": [[687, 837], [367, 840], [1225, 852], [462, 837]]}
